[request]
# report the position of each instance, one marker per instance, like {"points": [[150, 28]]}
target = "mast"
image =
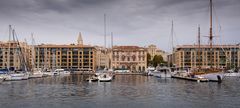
{"points": [[111, 39], [105, 33], [105, 36], [199, 43], [211, 35], [171, 57], [9, 46], [172, 36], [33, 53]]}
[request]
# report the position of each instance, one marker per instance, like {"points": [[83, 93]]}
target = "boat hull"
{"points": [[237, 74], [215, 77]]}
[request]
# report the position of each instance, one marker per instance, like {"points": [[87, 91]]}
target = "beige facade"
{"points": [[133, 58], [75, 57], [222, 56], [11, 55], [102, 58], [153, 50]]}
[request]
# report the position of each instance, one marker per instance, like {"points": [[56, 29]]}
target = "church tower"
{"points": [[80, 41]]}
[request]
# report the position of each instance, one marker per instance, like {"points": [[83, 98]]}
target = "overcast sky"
{"points": [[133, 22]]}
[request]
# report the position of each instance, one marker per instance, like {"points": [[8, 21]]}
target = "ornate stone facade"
{"points": [[133, 58]]}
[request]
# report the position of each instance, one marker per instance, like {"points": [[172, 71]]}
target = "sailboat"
{"points": [[212, 74], [16, 75], [36, 73]]}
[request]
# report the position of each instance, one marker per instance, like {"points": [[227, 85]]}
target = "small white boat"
{"points": [[232, 73], [16, 76], [49, 73], [61, 72], [104, 77], [36, 74]]}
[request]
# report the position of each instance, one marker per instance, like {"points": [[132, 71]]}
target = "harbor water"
{"points": [[125, 91]]}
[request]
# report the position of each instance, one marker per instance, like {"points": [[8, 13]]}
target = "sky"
{"points": [[132, 22]]}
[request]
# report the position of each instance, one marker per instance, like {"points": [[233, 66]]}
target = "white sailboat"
{"points": [[19, 75], [211, 73], [36, 73]]}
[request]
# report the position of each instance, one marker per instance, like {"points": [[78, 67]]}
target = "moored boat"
{"points": [[105, 77], [36, 74]]}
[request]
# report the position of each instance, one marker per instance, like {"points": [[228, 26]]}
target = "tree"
{"points": [[149, 59], [157, 59]]}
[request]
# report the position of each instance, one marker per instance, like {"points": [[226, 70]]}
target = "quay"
{"points": [[116, 73]]}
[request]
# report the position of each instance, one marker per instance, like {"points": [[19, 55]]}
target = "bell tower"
{"points": [[79, 40]]}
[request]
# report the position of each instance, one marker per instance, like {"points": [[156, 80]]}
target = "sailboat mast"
{"points": [[211, 35], [111, 39], [172, 36], [105, 34], [199, 43], [33, 53], [9, 46]]}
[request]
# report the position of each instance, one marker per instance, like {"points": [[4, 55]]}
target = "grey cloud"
{"points": [[144, 21]]}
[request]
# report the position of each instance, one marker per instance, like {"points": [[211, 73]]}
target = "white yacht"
{"points": [[162, 72]]}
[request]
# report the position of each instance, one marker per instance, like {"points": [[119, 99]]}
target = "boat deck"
{"points": [[191, 79]]}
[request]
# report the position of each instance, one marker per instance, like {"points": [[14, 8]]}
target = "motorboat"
{"points": [[232, 73], [162, 72], [61, 72], [36, 74], [105, 77]]}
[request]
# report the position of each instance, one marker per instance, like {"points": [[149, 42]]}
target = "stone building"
{"points": [[153, 50], [102, 58], [133, 58], [14, 55], [222, 56]]}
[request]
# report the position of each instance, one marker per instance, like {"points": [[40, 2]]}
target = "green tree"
{"points": [[149, 59], [157, 59]]}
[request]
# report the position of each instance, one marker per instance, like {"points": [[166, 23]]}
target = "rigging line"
{"points": [[218, 25]]}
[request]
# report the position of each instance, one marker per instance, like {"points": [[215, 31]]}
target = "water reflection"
{"points": [[124, 91]]}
